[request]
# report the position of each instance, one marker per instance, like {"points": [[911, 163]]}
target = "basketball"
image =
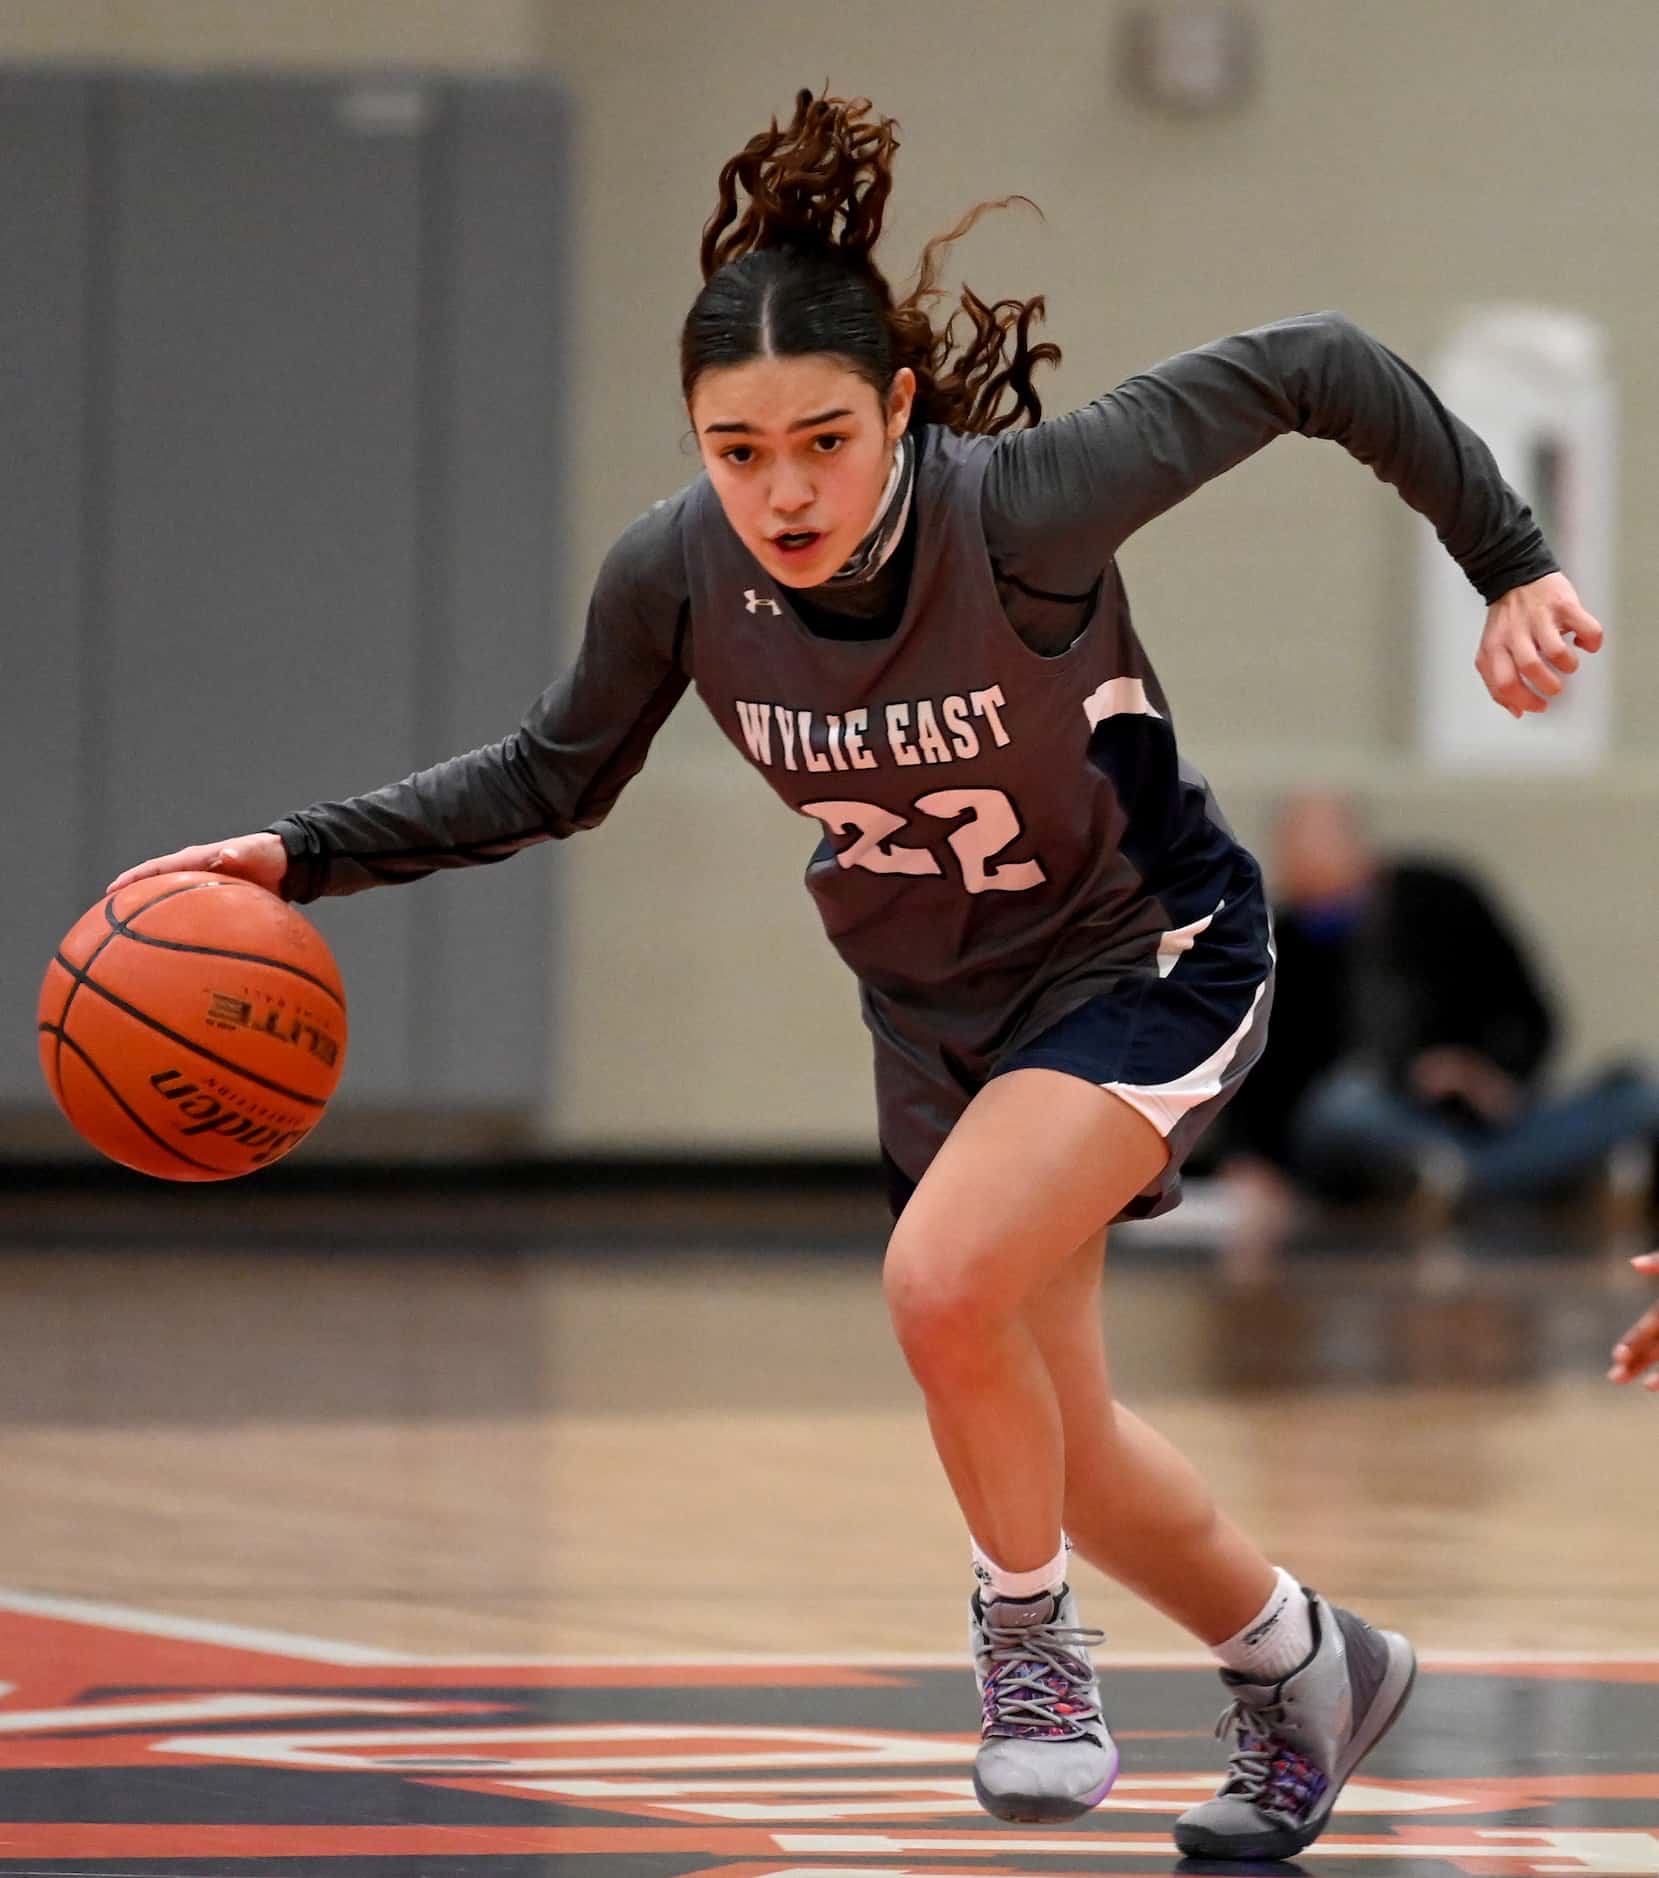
{"points": [[193, 1026]]}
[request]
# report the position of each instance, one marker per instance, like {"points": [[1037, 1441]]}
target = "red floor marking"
{"points": [[239, 1703], [57, 1653], [49, 1839], [796, 1868]]}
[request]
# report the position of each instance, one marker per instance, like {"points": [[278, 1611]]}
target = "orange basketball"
{"points": [[193, 1026]]}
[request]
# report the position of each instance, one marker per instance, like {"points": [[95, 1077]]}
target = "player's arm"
{"points": [[1081, 484], [559, 771]]}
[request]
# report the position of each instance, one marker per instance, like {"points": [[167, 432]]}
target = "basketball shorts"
{"points": [[1173, 1042]]}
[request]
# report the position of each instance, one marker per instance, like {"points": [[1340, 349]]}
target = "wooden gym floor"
{"points": [[432, 1444]]}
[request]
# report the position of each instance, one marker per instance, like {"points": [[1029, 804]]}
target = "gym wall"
{"points": [[1395, 162]]}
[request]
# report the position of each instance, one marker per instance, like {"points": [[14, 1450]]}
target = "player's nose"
{"points": [[791, 495]]}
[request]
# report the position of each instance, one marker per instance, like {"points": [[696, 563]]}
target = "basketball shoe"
{"points": [[1296, 1742], [1044, 1750]]}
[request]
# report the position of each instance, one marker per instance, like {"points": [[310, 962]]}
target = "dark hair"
{"points": [[791, 271]]}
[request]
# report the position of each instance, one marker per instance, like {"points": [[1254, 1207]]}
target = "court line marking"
{"points": [[260, 1641], [202, 1630]]}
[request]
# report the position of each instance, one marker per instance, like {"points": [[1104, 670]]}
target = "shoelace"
{"points": [[1035, 1686], [1265, 1770]]}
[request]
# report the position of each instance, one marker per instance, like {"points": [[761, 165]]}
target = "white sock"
{"points": [[1278, 1639], [1006, 1584]]}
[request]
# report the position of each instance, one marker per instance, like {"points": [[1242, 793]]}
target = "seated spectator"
{"points": [[1407, 1049]]}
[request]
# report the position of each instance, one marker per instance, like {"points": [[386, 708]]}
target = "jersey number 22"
{"points": [[986, 825]]}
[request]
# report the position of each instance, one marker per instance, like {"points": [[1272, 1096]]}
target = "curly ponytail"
{"points": [[788, 269]]}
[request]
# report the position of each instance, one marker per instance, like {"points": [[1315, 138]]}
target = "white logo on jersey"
{"points": [[754, 603]]}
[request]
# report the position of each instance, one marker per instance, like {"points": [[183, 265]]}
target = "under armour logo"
{"points": [[754, 602]]}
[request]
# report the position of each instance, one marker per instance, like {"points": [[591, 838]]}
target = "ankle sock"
{"points": [[1006, 1584], [1278, 1639]]}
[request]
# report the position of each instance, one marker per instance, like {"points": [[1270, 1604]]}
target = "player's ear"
{"points": [[901, 396]]}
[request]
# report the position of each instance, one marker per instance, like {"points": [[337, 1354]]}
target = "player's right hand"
{"points": [[260, 858]]}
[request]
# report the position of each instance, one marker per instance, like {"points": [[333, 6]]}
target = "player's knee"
{"points": [[942, 1319]]}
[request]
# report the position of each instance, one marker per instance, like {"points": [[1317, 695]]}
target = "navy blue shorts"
{"points": [[1174, 1042]]}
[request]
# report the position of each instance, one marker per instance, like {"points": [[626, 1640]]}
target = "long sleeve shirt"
{"points": [[1057, 501]]}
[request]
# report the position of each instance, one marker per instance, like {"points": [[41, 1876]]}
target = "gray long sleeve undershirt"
{"points": [[1060, 499]]}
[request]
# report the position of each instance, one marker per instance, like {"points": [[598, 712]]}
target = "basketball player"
{"points": [[904, 611]]}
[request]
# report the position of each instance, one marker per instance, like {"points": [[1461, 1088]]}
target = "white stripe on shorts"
{"points": [[1164, 1103], [1178, 940]]}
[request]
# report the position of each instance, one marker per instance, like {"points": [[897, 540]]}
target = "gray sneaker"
{"points": [[1044, 1751], [1297, 1741]]}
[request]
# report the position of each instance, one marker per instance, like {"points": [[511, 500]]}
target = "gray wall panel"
{"points": [[279, 487], [495, 647], [43, 235], [262, 564]]}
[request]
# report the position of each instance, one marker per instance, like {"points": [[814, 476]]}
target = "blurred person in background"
{"points": [[1410, 1042]]}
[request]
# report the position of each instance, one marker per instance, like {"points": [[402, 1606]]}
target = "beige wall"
{"points": [[1396, 161], [466, 34]]}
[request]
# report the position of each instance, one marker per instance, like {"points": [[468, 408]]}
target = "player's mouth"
{"points": [[797, 541]]}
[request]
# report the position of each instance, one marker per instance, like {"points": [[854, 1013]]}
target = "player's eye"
{"points": [[739, 453], [827, 443]]}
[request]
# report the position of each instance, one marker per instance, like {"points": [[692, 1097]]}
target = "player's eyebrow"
{"points": [[801, 423]]}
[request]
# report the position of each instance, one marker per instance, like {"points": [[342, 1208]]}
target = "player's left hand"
{"points": [[1638, 1348], [1525, 658]]}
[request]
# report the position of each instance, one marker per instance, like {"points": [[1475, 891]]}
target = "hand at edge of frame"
{"points": [[1638, 1348], [1531, 643]]}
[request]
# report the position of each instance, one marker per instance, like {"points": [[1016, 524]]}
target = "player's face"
{"points": [[799, 451]]}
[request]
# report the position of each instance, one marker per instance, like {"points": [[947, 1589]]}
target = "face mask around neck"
{"points": [[885, 532]]}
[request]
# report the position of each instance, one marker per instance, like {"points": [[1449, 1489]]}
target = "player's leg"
{"points": [[1036, 1163], [993, 1281], [1134, 1506], [1085, 1123], [1312, 1687]]}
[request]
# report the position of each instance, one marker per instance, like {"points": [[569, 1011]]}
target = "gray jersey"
{"points": [[1004, 835], [1005, 824]]}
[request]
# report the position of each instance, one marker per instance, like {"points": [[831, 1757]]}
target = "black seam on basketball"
{"points": [[172, 893], [224, 1062], [115, 1095], [124, 927], [63, 1015], [223, 952]]}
